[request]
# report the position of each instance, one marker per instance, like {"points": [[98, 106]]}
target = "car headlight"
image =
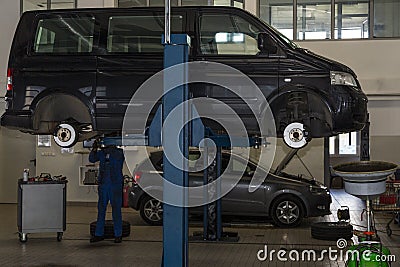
{"points": [[343, 78]]}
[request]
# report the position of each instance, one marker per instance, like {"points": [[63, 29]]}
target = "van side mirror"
{"points": [[266, 44]]}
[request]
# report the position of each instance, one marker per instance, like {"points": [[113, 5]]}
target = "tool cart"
{"points": [[41, 207], [389, 202]]}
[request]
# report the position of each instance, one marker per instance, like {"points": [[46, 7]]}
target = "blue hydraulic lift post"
{"points": [[175, 219]]}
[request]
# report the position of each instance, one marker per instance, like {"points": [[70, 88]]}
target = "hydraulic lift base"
{"points": [[228, 237]]}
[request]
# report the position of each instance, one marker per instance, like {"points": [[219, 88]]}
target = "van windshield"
{"points": [[284, 38], [281, 36]]}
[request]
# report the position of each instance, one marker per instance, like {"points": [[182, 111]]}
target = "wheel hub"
{"points": [[294, 135], [153, 210], [287, 212], [64, 134]]}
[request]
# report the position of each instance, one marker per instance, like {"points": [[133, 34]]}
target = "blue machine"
{"points": [[175, 219]]}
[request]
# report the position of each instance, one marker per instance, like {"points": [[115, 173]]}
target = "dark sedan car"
{"points": [[286, 198]]}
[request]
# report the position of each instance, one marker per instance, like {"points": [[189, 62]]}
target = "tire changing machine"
{"points": [[367, 180]]}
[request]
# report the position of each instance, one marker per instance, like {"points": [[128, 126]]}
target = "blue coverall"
{"points": [[110, 181]]}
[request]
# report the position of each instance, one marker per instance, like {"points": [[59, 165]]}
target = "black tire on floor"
{"points": [[109, 229], [331, 231]]}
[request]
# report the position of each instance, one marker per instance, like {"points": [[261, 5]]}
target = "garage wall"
{"points": [[95, 3], [52, 160], [251, 6], [16, 152], [9, 16], [385, 130], [56, 161], [16, 149], [377, 64]]}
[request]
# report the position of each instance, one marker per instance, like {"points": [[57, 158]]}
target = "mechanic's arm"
{"points": [[93, 156]]}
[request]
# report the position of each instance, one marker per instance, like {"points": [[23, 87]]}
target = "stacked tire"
{"points": [[332, 231], [109, 229]]}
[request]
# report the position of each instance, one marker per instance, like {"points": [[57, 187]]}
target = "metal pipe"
{"points": [[368, 214], [295, 37], [167, 35], [371, 19], [333, 9]]}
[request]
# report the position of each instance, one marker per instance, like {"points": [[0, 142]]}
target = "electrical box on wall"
{"points": [[88, 175]]}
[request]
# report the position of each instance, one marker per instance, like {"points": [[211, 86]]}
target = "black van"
{"points": [[72, 73]]}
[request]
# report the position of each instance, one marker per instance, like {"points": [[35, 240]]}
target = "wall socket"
{"points": [[48, 154]]}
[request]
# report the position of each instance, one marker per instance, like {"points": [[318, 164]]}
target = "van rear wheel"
{"points": [[66, 135]]}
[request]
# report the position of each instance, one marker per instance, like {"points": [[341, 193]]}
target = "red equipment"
{"points": [[125, 196]]}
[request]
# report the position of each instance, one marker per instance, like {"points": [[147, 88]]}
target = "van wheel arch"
{"points": [[55, 108], [302, 105]]}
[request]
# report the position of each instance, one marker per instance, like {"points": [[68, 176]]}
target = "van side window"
{"points": [[139, 34], [227, 35], [64, 35]]}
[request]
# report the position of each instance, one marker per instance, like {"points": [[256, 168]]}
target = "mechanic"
{"points": [[110, 182]]}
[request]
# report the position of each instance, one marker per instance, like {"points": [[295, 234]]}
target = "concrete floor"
{"points": [[144, 246]]}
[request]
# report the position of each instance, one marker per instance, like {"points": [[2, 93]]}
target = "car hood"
{"points": [[282, 165], [299, 178], [331, 65]]}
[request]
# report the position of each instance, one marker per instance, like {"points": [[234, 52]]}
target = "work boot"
{"points": [[118, 240], [96, 239]]}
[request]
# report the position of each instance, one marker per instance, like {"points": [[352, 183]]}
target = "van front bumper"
{"points": [[350, 109], [17, 120]]}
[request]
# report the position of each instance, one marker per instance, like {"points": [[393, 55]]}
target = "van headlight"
{"points": [[343, 78], [317, 189]]}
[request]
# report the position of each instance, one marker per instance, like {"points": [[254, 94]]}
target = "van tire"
{"points": [[66, 135]]}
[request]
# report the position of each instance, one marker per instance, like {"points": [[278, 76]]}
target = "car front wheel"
{"points": [[287, 211], [151, 211]]}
